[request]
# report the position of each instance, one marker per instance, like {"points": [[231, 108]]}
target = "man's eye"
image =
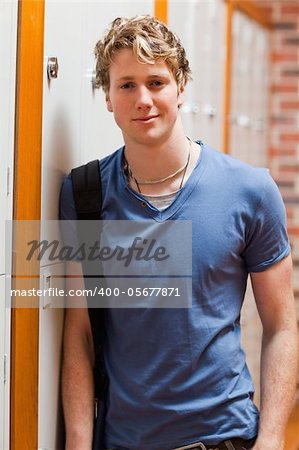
{"points": [[156, 83], [127, 86]]}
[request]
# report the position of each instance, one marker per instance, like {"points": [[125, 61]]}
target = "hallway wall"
{"points": [[284, 130]]}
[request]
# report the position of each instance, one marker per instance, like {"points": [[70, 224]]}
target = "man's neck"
{"points": [[148, 163], [157, 160]]}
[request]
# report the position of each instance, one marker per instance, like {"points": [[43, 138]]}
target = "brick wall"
{"points": [[284, 130], [283, 152]]}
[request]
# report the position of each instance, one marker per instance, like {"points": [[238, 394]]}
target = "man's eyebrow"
{"points": [[160, 75], [132, 77], [127, 77]]}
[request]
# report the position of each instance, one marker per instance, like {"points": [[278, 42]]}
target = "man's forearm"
{"points": [[78, 396], [278, 382]]}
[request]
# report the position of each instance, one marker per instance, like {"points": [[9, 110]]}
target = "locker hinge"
{"points": [[5, 368]]}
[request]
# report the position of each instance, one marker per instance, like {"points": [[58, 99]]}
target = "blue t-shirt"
{"points": [[178, 376]]}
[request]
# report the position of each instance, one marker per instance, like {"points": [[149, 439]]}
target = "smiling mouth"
{"points": [[145, 119]]}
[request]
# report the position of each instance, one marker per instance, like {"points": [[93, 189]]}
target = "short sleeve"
{"points": [[267, 240]]}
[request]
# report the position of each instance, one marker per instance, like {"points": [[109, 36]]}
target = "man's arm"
{"points": [[77, 372], [275, 302]]}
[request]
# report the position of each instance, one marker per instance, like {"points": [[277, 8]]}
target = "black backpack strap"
{"points": [[87, 188]]}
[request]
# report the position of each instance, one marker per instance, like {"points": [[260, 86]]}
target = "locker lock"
{"points": [[209, 110], [52, 67]]}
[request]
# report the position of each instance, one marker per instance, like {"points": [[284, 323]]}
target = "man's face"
{"points": [[144, 99]]}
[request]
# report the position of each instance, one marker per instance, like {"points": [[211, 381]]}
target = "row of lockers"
{"points": [[8, 42]]}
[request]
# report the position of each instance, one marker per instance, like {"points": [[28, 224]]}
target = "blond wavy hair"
{"points": [[150, 39]]}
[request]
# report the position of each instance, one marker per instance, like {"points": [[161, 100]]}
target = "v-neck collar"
{"points": [[149, 210]]}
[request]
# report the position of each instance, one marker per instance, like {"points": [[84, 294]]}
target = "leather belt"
{"points": [[231, 444]]}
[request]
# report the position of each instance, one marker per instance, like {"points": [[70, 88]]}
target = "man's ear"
{"points": [[181, 95], [108, 103]]}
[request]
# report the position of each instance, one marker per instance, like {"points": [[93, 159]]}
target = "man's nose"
{"points": [[144, 98]]}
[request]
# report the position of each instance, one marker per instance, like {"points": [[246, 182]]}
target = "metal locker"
{"points": [[76, 128], [249, 91], [8, 45], [100, 135], [201, 26]]}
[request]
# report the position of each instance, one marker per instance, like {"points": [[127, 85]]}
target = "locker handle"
{"points": [[209, 110], [52, 67]]}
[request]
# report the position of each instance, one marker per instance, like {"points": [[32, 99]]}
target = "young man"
{"points": [[178, 378]]}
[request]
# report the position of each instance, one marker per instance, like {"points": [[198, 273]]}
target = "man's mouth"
{"points": [[146, 119]]}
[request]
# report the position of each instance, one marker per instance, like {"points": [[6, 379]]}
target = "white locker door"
{"points": [[61, 134], [210, 63], [8, 42], [5, 314], [249, 91], [182, 21], [100, 134], [201, 27], [76, 128], [260, 84], [2, 357], [50, 417], [61, 144]]}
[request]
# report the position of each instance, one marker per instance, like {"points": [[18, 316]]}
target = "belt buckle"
{"points": [[195, 446]]}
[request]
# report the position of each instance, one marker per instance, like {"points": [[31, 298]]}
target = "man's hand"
{"points": [[267, 445]]}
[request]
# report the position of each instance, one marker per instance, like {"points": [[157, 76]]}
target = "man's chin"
{"points": [[149, 139]]}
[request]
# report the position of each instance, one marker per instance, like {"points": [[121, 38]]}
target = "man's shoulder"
{"points": [[105, 163], [111, 160], [233, 170]]}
